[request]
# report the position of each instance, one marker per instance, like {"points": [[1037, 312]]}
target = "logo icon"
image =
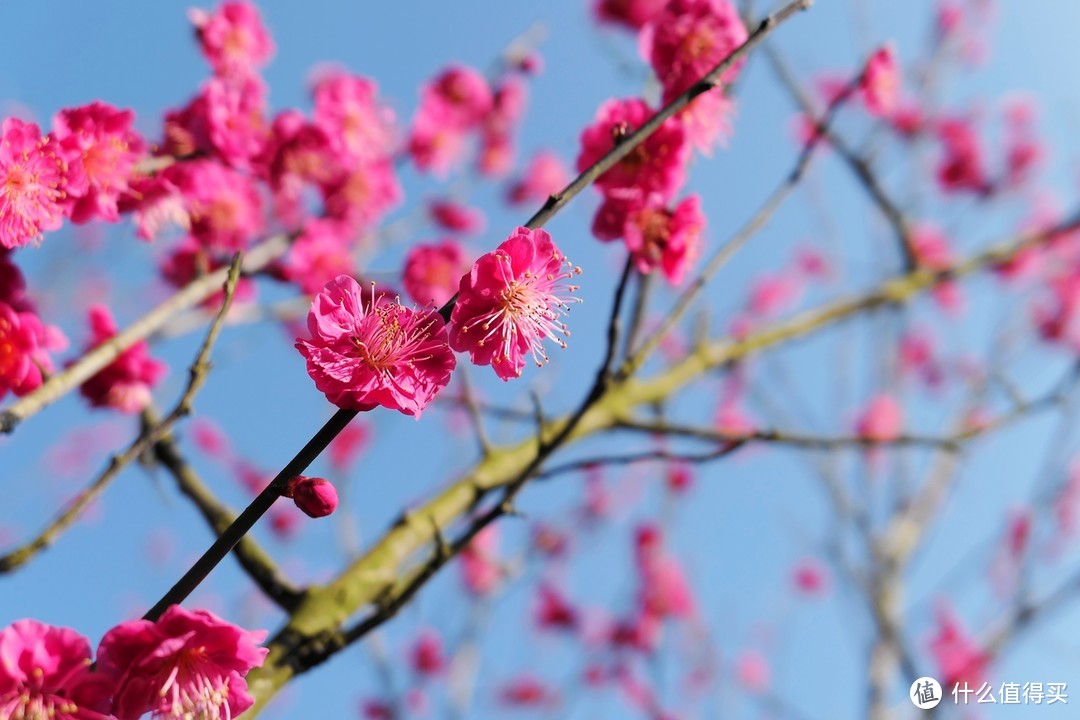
{"points": [[925, 693]]}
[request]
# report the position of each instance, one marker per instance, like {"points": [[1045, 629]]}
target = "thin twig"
{"points": [[150, 434]]}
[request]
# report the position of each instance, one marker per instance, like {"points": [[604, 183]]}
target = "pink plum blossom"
{"points": [[98, 141], [223, 204], [752, 669], [554, 611], [25, 342], [455, 217], [480, 570], [810, 577], [511, 301], [496, 132], [427, 656], [666, 239], [657, 165], [235, 119], [367, 350], [320, 253], [632, 14], [189, 259], [187, 663], [432, 272], [45, 673], [33, 183], [527, 691], [126, 383], [961, 166], [958, 656], [453, 104], [347, 446], [685, 41], [348, 110], [363, 195], [544, 176], [233, 38], [882, 420], [880, 82]]}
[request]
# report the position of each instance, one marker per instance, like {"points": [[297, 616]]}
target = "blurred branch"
{"points": [[150, 434], [252, 558], [858, 164], [314, 627]]}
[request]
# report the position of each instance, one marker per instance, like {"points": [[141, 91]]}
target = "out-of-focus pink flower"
{"points": [[363, 195], [1023, 151], [186, 663], [427, 656], [433, 272], [958, 657], [297, 153], [511, 302], [657, 165], [679, 477], [126, 383], [235, 122], [550, 541], [668, 239], [527, 691], [880, 83], [97, 140], [908, 119], [554, 611], [633, 14], [882, 420], [771, 294], [752, 669], [347, 446], [316, 497], [157, 205], [45, 673], [25, 343], [451, 106], [224, 205], [189, 259], [285, 521], [319, 254], [812, 263], [480, 569], [376, 709], [33, 183], [211, 439], [233, 38], [497, 130], [663, 590], [685, 41], [810, 577], [455, 217], [917, 354], [348, 110], [931, 247], [961, 166], [544, 176], [369, 351]]}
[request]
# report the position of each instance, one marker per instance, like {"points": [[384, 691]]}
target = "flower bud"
{"points": [[315, 496]]}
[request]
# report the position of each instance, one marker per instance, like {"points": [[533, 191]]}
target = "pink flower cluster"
{"points": [[458, 104], [125, 383], [25, 341], [638, 190], [186, 664], [80, 170]]}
